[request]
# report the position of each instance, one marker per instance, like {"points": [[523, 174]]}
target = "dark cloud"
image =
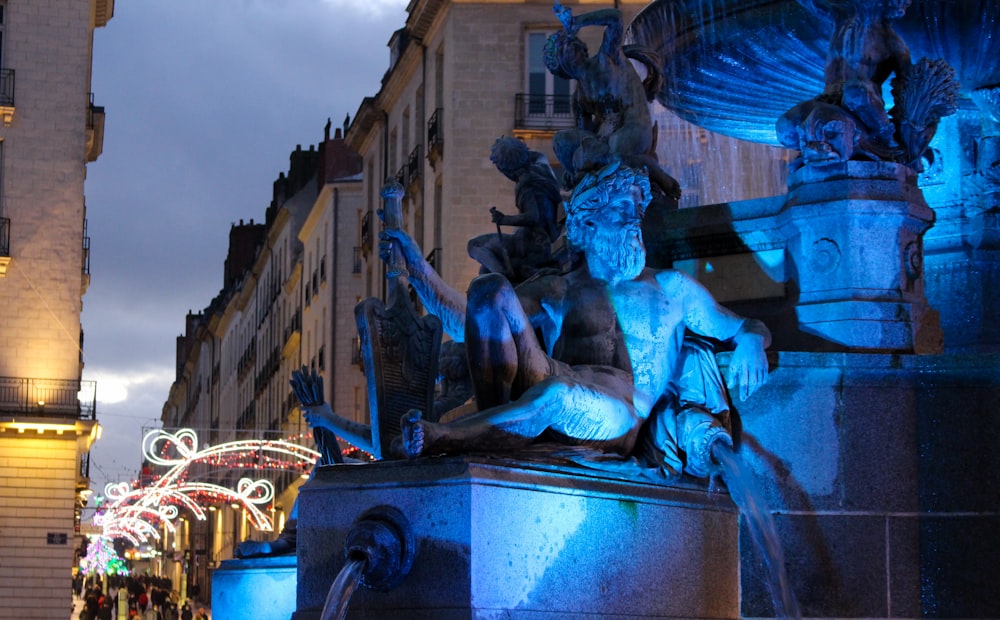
{"points": [[204, 101]]}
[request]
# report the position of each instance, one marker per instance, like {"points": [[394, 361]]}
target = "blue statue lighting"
{"points": [[612, 359]]}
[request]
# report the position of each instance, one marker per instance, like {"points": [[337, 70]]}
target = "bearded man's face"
{"points": [[613, 239]]}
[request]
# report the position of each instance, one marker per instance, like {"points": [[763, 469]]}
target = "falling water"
{"points": [[339, 597], [748, 497]]}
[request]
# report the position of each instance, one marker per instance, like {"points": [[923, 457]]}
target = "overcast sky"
{"points": [[204, 101]]}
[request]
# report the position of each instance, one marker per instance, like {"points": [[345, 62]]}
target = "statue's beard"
{"points": [[616, 255]]}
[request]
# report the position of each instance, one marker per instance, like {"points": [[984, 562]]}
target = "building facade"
{"points": [[50, 130], [276, 313]]}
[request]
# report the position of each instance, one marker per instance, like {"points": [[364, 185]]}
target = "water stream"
{"points": [[744, 491], [339, 597]]}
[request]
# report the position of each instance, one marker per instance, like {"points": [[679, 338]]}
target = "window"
{"points": [[547, 94], [3, 24]]}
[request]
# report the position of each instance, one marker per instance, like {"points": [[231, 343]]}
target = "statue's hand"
{"points": [[497, 215], [320, 415], [395, 237], [307, 386], [565, 16], [748, 367]]}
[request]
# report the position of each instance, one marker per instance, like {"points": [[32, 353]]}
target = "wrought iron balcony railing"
{"points": [[48, 397], [4, 236], [7, 87], [435, 135], [86, 250], [543, 112], [413, 164], [366, 233], [434, 259]]}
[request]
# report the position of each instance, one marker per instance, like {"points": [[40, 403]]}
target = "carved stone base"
{"points": [[854, 241], [499, 538]]}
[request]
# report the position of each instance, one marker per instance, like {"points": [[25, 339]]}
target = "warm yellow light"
{"points": [[41, 403], [86, 492], [41, 427]]}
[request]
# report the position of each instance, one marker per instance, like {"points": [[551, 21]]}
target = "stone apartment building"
{"points": [[275, 313], [50, 130]]}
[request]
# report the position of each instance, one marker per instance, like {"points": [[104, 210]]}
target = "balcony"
{"points": [[85, 267], [48, 398], [402, 177], [414, 165], [434, 259], [7, 96], [293, 335], [542, 115], [95, 130], [4, 245], [366, 233], [435, 136]]}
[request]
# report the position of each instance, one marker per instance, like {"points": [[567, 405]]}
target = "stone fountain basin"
{"points": [[735, 66]]}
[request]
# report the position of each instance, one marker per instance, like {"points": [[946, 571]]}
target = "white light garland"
{"points": [[132, 513]]}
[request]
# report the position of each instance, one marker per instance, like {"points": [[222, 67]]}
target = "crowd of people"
{"points": [[145, 597]]}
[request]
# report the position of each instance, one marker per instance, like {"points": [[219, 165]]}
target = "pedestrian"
{"points": [[186, 611]]}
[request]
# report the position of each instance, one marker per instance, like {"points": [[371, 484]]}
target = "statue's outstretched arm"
{"points": [[308, 388], [614, 28], [322, 415], [437, 297]]}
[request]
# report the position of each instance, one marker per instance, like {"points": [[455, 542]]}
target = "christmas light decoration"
{"points": [[134, 510], [102, 558]]}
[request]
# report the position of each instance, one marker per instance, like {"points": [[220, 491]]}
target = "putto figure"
{"points": [[610, 355], [849, 119], [528, 250], [611, 101]]}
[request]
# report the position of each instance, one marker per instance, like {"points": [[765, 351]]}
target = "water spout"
{"points": [[379, 552], [743, 489], [339, 597]]}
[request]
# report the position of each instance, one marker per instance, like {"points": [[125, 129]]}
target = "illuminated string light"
{"points": [[134, 510], [102, 558]]}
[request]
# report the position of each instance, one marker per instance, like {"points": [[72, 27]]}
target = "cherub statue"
{"points": [[527, 251], [849, 119], [611, 101]]}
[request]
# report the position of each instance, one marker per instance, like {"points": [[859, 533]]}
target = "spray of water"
{"points": [[748, 497]]}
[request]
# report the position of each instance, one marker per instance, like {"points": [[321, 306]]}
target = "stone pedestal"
{"points": [[884, 476], [513, 540], [854, 246], [259, 588]]}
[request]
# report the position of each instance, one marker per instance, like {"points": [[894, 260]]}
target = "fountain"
{"points": [[863, 439], [378, 554], [871, 497]]}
